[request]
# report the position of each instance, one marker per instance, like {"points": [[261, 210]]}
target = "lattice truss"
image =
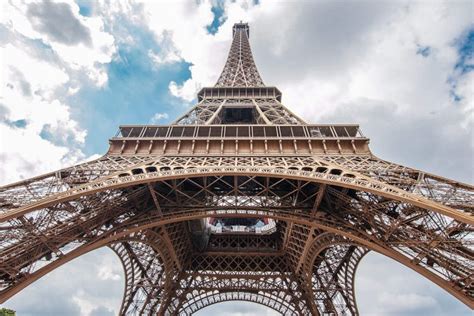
{"points": [[329, 210], [50, 226], [265, 110], [240, 69]]}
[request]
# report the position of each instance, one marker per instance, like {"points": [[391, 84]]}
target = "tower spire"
{"points": [[239, 96], [239, 200], [240, 69]]}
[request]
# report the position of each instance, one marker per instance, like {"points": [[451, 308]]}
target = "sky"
{"points": [[72, 72]]}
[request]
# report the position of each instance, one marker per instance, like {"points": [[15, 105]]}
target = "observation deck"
{"points": [[239, 139]]}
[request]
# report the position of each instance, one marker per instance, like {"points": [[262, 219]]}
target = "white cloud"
{"points": [[84, 304], [107, 268], [385, 287], [184, 23], [80, 42], [186, 91], [20, 66], [159, 117], [46, 49], [403, 303], [75, 288], [107, 273], [164, 57], [237, 309], [25, 153], [43, 144], [333, 59], [353, 62]]}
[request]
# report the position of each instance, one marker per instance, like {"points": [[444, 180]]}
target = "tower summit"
{"points": [[239, 96], [240, 69], [239, 200]]}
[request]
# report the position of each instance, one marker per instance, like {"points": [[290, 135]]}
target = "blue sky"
{"points": [[401, 69], [136, 90], [218, 10]]}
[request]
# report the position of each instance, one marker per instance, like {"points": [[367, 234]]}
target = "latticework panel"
{"points": [[202, 113], [277, 113], [31, 190], [270, 289], [265, 110], [293, 166], [330, 264], [278, 302], [245, 242], [438, 189], [146, 277], [330, 198], [441, 190], [240, 69], [296, 243], [422, 239]]}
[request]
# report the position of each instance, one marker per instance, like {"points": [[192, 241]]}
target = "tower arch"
{"points": [[240, 189]]}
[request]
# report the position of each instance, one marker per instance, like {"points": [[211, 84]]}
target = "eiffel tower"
{"points": [[239, 200]]}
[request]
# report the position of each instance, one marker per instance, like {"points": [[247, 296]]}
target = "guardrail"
{"points": [[239, 131]]}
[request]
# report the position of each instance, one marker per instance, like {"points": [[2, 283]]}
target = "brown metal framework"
{"points": [[239, 153]]}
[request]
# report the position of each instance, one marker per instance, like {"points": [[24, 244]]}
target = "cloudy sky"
{"points": [[71, 72]]}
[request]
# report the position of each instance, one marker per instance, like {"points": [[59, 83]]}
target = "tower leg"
{"points": [[330, 268], [148, 276]]}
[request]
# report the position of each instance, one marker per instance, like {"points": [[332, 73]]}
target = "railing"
{"points": [[239, 131], [239, 92], [262, 230]]}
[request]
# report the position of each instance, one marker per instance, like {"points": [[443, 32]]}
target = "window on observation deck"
{"points": [[262, 226], [240, 115]]}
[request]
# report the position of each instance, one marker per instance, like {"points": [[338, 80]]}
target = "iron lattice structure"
{"points": [[239, 156]]}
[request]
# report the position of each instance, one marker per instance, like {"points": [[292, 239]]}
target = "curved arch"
{"points": [[269, 289], [347, 229], [275, 303], [354, 181], [379, 277], [331, 265], [117, 236], [145, 269]]}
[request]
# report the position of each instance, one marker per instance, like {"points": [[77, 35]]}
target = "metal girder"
{"points": [[331, 200], [240, 69], [330, 264], [428, 243]]}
